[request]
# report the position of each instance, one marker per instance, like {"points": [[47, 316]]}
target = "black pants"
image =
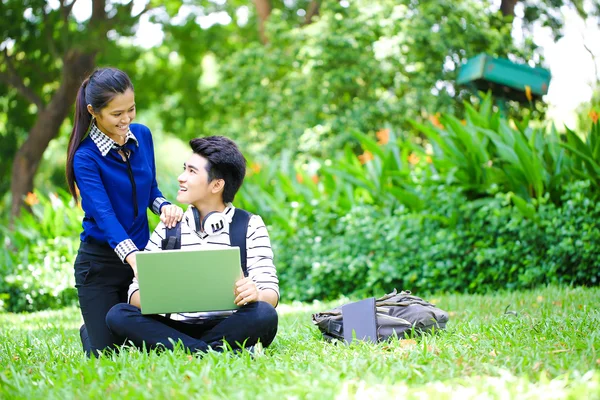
{"points": [[102, 281], [250, 324]]}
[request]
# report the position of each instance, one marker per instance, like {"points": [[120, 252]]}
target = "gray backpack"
{"points": [[396, 313]]}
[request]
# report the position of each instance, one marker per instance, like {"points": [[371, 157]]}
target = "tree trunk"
{"points": [[508, 7], [263, 10], [312, 10], [47, 126]]}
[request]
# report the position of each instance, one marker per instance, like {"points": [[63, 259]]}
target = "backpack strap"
{"points": [[172, 240], [237, 234]]}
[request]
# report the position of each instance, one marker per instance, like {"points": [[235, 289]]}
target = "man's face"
{"points": [[194, 186]]}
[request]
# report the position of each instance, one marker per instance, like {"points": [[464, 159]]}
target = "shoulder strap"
{"points": [[172, 240], [237, 234]]}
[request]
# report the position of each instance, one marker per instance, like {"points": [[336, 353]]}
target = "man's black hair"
{"points": [[225, 161]]}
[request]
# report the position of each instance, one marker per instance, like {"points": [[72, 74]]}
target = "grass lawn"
{"points": [[546, 346]]}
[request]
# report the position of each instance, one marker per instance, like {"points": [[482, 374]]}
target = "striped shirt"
{"points": [[259, 255]]}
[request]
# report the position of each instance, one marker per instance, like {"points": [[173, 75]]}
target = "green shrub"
{"points": [[36, 261], [40, 276], [485, 150], [452, 245]]}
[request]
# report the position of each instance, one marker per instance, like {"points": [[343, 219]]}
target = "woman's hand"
{"points": [[170, 214], [245, 292]]}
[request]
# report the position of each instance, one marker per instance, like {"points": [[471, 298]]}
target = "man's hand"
{"points": [[170, 214], [132, 261], [245, 292]]}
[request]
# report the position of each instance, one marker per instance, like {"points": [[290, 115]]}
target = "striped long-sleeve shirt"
{"points": [[259, 255]]}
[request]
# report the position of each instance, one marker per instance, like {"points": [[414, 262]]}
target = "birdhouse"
{"points": [[504, 78]]}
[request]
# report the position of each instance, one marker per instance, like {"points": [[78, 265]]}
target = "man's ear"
{"points": [[218, 185]]}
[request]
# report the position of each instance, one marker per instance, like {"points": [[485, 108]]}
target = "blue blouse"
{"points": [[107, 185]]}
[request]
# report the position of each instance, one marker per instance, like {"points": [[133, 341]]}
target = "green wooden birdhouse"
{"points": [[504, 78]]}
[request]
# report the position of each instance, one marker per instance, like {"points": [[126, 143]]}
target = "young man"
{"points": [[212, 176]]}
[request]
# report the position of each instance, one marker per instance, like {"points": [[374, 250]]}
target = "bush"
{"points": [[36, 261], [452, 245], [40, 276]]}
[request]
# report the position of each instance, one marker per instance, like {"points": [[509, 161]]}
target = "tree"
{"points": [[548, 13], [263, 10], [507, 7], [46, 53], [360, 66]]}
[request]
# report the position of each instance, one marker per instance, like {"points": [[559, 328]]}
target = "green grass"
{"points": [[549, 349]]}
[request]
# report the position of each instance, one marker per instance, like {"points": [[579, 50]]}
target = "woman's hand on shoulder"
{"points": [[170, 214]]}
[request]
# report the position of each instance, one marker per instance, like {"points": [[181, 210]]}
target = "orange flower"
{"points": [[594, 116], [299, 178], [384, 136], [528, 92], [365, 157], [255, 167], [315, 179], [464, 122], [413, 159], [428, 159], [435, 120], [31, 199]]}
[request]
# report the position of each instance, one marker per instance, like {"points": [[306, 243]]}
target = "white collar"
{"points": [[103, 142]]}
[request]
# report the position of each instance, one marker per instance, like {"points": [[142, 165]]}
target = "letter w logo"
{"points": [[218, 226]]}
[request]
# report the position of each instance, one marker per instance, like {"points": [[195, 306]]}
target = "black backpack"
{"points": [[396, 313], [237, 234]]}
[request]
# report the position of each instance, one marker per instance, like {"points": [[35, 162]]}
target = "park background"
{"points": [[372, 168]]}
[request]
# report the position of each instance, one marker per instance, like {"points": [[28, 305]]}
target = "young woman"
{"points": [[110, 164]]}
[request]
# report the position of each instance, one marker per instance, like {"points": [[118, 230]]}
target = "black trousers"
{"points": [[102, 281], [255, 322]]}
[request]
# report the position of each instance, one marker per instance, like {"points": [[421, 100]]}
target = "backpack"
{"points": [[237, 233], [397, 314]]}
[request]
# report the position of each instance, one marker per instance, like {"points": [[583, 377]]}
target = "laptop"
{"points": [[174, 281], [360, 321]]}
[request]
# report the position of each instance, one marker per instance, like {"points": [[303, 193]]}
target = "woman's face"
{"points": [[114, 119]]}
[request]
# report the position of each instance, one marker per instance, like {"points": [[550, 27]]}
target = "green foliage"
{"points": [[451, 245], [547, 14], [485, 151], [355, 68], [384, 174], [545, 346], [175, 79], [585, 154], [37, 257]]}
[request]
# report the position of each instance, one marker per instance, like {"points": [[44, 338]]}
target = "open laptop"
{"points": [[173, 281], [360, 321]]}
